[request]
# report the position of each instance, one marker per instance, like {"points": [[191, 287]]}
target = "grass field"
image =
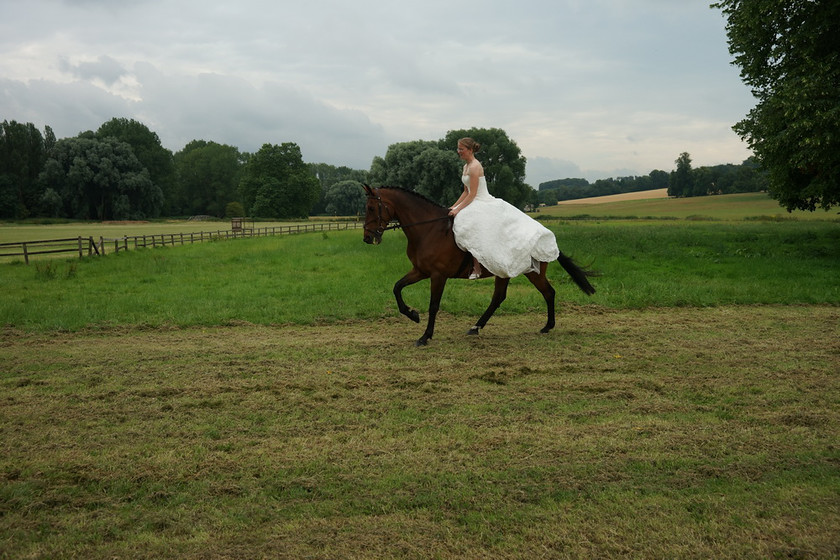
{"points": [[260, 398]]}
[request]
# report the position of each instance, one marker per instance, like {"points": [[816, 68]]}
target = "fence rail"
{"points": [[92, 246]]}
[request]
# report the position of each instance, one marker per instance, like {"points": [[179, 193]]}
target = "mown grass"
{"points": [[658, 433]]}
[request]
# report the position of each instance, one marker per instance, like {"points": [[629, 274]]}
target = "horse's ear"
{"points": [[367, 190]]}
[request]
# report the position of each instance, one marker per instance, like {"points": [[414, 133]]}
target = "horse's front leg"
{"points": [[438, 283], [499, 295], [412, 277]]}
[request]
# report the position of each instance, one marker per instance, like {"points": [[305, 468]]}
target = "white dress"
{"points": [[504, 239]]}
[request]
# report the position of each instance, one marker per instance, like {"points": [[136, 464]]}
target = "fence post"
{"points": [[25, 253]]}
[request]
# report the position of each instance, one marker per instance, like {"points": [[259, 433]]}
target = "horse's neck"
{"points": [[412, 209]]}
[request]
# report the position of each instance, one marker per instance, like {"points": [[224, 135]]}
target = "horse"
{"points": [[434, 255]]}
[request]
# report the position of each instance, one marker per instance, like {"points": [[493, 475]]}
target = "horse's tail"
{"points": [[578, 274]]}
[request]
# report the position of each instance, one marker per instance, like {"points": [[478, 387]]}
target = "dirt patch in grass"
{"points": [[693, 433]]}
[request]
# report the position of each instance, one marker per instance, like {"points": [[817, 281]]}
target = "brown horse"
{"points": [[434, 254]]}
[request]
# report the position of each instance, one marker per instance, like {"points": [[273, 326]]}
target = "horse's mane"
{"points": [[416, 194]]}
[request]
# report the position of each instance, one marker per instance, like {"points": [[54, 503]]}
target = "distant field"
{"points": [[723, 207], [641, 195], [14, 232]]}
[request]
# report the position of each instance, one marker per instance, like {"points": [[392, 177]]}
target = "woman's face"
{"points": [[463, 151]]}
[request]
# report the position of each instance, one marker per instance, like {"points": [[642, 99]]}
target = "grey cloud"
{"points": [[569, 80], [104, 68]]}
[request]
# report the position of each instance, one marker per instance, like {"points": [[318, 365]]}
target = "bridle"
{"points": [[383, 223]]}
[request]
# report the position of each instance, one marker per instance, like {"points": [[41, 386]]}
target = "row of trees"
{"points": [[430, 167], [686, 181], [121, 171]]}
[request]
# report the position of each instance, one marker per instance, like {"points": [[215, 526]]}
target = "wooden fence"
{"points": [[91, 246], [81, 245]]}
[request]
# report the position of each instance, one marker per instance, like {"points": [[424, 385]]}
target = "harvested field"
{"points": [[655, 433]]}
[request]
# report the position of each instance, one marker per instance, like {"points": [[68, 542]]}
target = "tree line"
{"points": [[684, 181], [122, 172]]}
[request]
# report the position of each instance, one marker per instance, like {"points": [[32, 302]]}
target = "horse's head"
{"points": [[377, 216]]}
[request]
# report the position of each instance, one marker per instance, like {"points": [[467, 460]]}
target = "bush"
{"points": [[234, 210]]}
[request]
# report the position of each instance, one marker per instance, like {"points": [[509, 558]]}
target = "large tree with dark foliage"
{"points": [[147, 148], [89, 178], [432, 168], [207, 178], [789, 54], [277, 184], [23, 151], [328, 175], [682, 179], [503, 162]]}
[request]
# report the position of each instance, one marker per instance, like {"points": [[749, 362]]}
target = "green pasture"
{"points": [[262, 398], [312, 278]]}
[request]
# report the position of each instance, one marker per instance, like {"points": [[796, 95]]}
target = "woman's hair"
{"points": [[470, 144]]}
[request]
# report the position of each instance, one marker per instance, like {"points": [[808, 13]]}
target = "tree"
{"points": [[681, 182], [503, 162], [658, 179], [400, 166], [433, 168], [277, 184], [437, 175], [234, 210], [329, 175], [147, 148], [789, 54], [207, 178], [345, 198], [99, 180], [22, 155]]}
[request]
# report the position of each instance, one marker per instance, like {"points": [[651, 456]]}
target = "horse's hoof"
{"points": [[421, 342], [545, 330], [414, 316], [473, 331]]}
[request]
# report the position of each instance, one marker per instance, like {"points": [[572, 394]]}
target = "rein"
{"points": [[399, 225]]}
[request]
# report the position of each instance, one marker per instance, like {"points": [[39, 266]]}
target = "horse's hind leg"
{"points": [[540, 281], [499, 295]]}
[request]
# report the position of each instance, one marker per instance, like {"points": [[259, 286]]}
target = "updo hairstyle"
{"points": [[470, 144]]}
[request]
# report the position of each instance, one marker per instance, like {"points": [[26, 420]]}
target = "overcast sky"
{"points": [[586, 88]]}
